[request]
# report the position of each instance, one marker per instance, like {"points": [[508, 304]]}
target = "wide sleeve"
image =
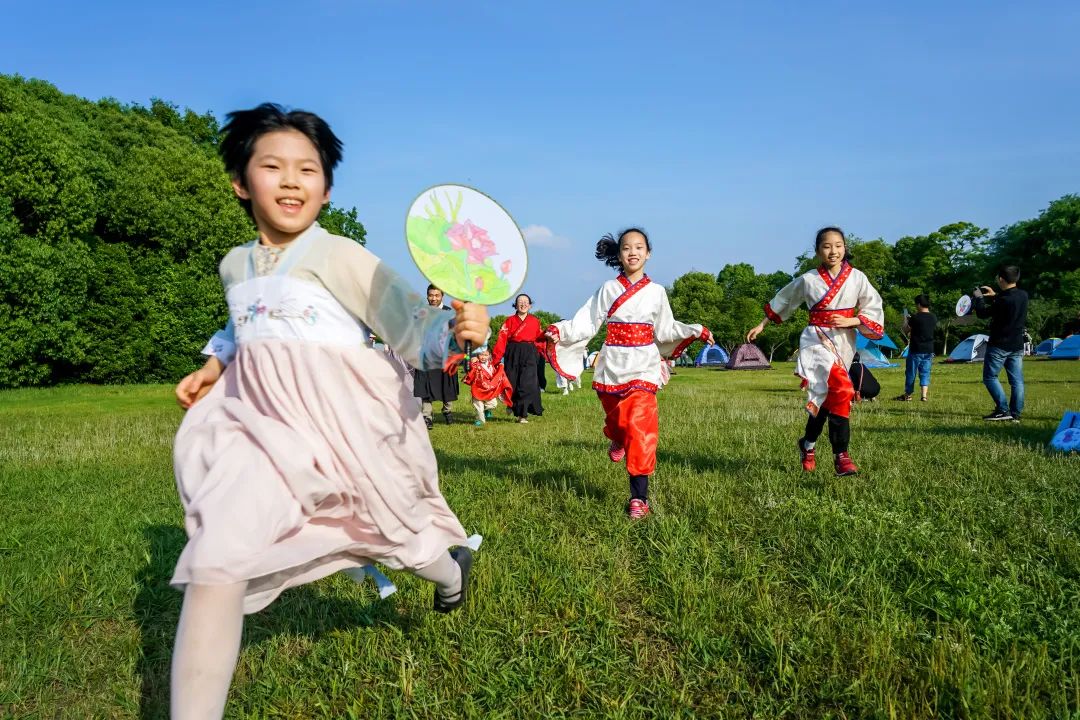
{"points": [[382, 300], [222, 344], [672, 336], [871, 310], [786, 301], [983, 309], [501, 339], [568, 340]]}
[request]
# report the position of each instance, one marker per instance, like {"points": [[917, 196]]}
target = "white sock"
{"points": [[445, 573], [207, 646], [808, 445]]}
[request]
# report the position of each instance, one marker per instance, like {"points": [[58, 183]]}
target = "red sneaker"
{"points": [[807, 457], [638, 509], [616, 452], [844, 465]]}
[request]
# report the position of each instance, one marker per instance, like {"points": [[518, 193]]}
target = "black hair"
{"points": [[522, 295], [244, 127], [923, 300], [607, 248], [820, 238], [433, 287], [1009, 273]]}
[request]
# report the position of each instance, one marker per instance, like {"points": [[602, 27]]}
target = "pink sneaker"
{"points": [[616, 452], [638, 509]]}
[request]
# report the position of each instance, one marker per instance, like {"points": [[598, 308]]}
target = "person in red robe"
{"points": [[520, 344], [489, 385]]}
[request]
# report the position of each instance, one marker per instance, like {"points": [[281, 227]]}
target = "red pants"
{"points": [[841, 392], [632, 421]]}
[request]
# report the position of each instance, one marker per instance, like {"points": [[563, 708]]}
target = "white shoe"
{"points": [[565, 391], [522, 421]]}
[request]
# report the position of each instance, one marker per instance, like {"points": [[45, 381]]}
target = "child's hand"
{"points": [[471, 323], [191, 389], [845, 322], [755, 331]]}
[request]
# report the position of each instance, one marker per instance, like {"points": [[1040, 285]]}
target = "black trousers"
{"points": [[839, 430], [639, 487]]}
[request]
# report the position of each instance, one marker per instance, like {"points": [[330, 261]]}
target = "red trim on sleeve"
{"points": [[871, 329], [771, 314]]}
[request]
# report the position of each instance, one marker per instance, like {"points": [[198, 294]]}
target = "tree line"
{"points": [[113, 218], [945, 264]]}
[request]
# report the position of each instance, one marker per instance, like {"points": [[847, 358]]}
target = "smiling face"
{"points": [[285, 183], [522, 304], [831, 249], [434, 297], [633, 252], [484, 357]]}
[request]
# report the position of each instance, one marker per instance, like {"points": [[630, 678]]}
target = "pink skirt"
{"points": [[303, 460]]}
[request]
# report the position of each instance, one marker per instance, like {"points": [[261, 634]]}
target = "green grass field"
{"points": [[942, 582]]}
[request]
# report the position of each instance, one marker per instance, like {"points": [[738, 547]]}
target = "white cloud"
{"points": [[542, 236]]}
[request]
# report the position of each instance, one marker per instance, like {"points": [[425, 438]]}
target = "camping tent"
{"points": [[711, 356], [1047, 346], [1069, 349], [870, 351], [748, 356], [972, 349]]}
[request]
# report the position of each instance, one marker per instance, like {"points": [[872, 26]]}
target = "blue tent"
{"points": [[1047, 346], [870, 351], [711, 356], [1069, 349]]}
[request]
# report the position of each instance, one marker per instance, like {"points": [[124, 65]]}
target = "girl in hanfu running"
{"points": [[631, 367], [309, 455], [841, 301], [518, 346]]}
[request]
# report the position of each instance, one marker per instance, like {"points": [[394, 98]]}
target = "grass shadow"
{"points": [[557, 478], [298, 611]]}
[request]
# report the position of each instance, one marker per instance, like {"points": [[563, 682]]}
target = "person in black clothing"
{"points": [[920, 355], [1008, 316]]}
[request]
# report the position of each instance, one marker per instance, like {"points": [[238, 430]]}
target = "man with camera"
{"points": [[1007, 311]]}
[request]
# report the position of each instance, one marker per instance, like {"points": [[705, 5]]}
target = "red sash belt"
{"points": [[823, 318], [624, 334]]}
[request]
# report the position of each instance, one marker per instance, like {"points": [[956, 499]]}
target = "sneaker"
{"points": [[924, 399], [448, 417], [638, 509], [463, 557], [844, 465], [429, 422], [479, 423], [997, 415], [565, 391], [1015, 417], [523, 421], [487, 414], [903, 398], [807, 457], [616, 452]]}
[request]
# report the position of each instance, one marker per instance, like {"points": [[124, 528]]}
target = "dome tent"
{"points": [[1047, 346], [748, 356], [972, 349], [713, 356]]}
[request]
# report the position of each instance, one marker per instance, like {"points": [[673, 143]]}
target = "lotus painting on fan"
{"points": [[465, 244]]}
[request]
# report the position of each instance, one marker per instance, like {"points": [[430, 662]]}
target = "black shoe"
{"points": [[429, 422], [1015, 417], [449, 418], [997, 415], [463, 557], [903, 398]]}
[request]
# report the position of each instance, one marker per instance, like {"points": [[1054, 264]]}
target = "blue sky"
{"points": [[731, 131]]}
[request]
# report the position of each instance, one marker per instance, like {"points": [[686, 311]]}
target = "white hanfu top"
{"points": [[822, 346], [642, 331]]}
